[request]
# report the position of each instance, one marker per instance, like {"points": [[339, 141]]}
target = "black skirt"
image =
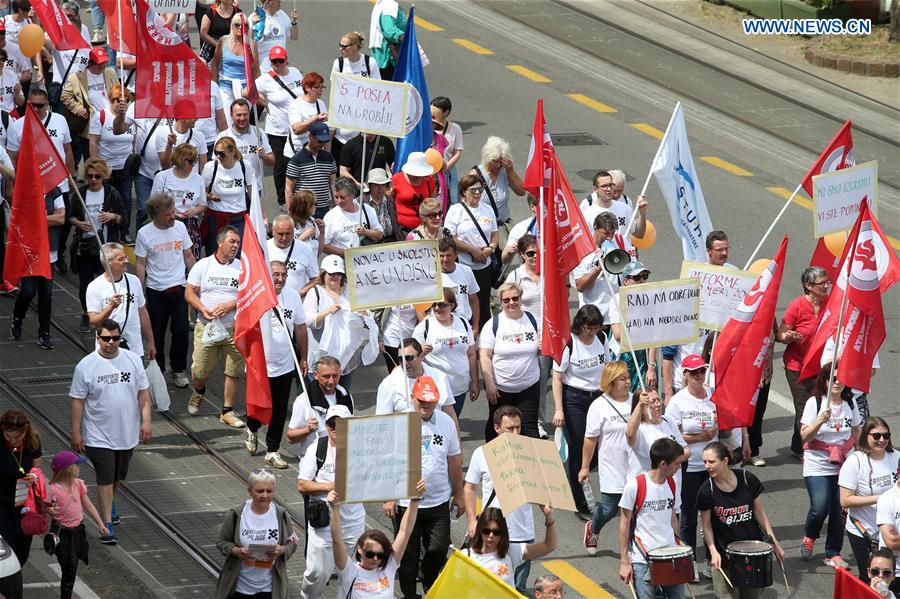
{"points": [[73, 544]]}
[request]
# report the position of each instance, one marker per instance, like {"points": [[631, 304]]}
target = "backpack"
{"points": [[639, 501], [365, 61], [321, 453], [495, 322]]}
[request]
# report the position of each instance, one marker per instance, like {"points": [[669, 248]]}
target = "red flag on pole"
{"points": [[256, 296], [27, 244], [252, 94], [873, 268], [171, 81], [52, 167], [63, 34], [740, 351], [839, 154], [125, 40]]}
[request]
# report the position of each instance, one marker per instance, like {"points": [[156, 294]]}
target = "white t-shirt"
{"points": [[440, 440], [207, 126], [461, 225], [247, 144], [114, 149], [300, 110], [583, 365], [399, 324], [353, 515], [302, 411], [188, 193], [191, 136], [639, 456], [454, 135], [450, 346], [317, 300], [340, 225], [58, 204], [61, 59], [150, 164], [57, 129], [93, 201], [867, 478], [528, 226], [520, 521], [606, 421], [8, 81], [369, 584], [98, 295], [109, 388], [622, 212], [13, 27], [392, 397], [278, 99], [516, 346], [531, 291], [299, 260], [258, 529], [503, 568], [693, 416], [598, 293], [654, 518], [887, 511], [462, 282], [276, 31], [96, 90], [231, 185], [217, 282], [834, 432], [17, 62], [163, 250], [279, 359], [357, 67], [313, 242]]}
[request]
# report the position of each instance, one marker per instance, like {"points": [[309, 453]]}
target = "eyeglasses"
{"points": [[821, 283], [440, 305], [641, 277], [507, 300], [407, 357], [221, 153], [475, 190], [491, 531], [235, 25], [880, 436], [345, 46], [432, 214], [322, 87], [883, 573], [379, 555], [278, 61], [531, 253], [109, 338], [191, 160], [605, 186], [93, 176]]}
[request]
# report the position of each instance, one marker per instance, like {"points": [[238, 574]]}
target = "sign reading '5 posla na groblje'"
{"points": [[368, 105]]}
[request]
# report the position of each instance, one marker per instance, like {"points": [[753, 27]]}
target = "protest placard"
{"points": [[368, 105], [526, 470], [661, 313], [394, 274], [378, 458], [179, 6], [721, 290], [837, 195]]}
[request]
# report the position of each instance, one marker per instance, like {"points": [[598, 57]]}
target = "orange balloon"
{"points": [[435, 159], [649, 238], [759, 266], [835, 243], [31, 40]]}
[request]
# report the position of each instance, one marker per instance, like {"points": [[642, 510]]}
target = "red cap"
{"points": [[2, 25], [277, 53], [425, 390], [99, 55], [693, 362]]}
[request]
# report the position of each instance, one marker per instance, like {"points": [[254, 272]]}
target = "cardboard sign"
{"points": [[836, 196], [394, 274], [721, 290], [368, 105], [662, 313], [169, 6], [378, 458], [526, 470]]}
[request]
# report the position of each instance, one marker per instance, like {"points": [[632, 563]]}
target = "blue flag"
{"points": [[409, 70]]}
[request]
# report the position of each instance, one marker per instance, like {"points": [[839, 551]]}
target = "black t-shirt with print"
{"points": [[732, 513], [9, 471]]}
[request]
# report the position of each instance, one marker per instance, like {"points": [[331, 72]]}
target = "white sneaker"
{"points": [[179, 379], [250, 441], [541, 432], [98, 38], [275, 460]]}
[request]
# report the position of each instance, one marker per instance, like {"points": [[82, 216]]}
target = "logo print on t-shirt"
{"points": [[463, 289], [189, 195], [234, 283], [438, 439], [291, 265], [252, 149], [125, 377], [670, 503], [529, 336], [273, 534], [9, 90], [10, 64], [178, 246], [83, 60], [288, 313], [51, 132], [238, 182]]}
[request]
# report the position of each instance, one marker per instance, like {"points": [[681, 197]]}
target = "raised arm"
{"points": [[408, 521]]}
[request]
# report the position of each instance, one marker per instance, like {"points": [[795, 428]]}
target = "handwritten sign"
{"points": [[721, 290], [378, 458], [368, 105], [837, 196], [179, 6], [526, 470], [394, 274], [662, 313]]}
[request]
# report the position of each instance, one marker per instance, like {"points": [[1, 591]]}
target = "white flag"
{"points": [[673, 168]]}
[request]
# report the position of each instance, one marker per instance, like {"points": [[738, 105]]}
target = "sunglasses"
{"points": [[641, 277], [885, 573], [475, 190], [531, 253], [432, 215], [191, 160], [345, 46], [379, 555], [109, 338], [93, 177], [880, 436], [698, 371], [221, 153], [507, 300], [278, 61], [491, 531], [407, 357], [441, 305]]}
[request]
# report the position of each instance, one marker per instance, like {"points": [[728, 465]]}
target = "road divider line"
{"points": [[527, 73], [648, 130], [427, 25], [726, 166], [592, 103], [570, 575], [472, 46]]}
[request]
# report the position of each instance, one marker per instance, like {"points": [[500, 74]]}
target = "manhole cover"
{"points": [[48, 380], [576, 139]]}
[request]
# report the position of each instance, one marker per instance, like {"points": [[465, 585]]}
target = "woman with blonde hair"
{"points": [[432, 226], [214, 24], [114, 149], [307, 228], [227, 66], [351, 60], [185, 185], [499, 177], [227, 178]]}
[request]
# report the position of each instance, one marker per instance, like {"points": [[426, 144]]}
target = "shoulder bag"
{"points": [[496, 257]]}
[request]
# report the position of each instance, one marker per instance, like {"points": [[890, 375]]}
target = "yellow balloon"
{"points": [[435, 159], [759, 266], [31, 40], [835, 243], [647, 241]]}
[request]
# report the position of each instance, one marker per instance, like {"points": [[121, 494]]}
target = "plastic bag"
{"points": [[214, 332], [343, 335], [159, 393]]}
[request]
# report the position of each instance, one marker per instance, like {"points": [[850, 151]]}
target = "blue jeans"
{"points": [[458, 402], [645, 590], [825, 502], [453, 185], [605, 510], [142, 187], [122, 183], [97, 15], [575, 407]]}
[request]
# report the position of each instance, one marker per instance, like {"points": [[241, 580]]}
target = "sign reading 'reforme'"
{"points": [[368, 105], [394, 274], [721, 290], [661, 313]]}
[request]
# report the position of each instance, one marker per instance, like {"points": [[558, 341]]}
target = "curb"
{"points": [[857, 66]]}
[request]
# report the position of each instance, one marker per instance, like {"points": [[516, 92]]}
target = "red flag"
{"points": [[872, 268], [171, 81], [256, 296], [52, 167], [823, 258], [739, 356], [846, 585], [252, 94], [839, 154], [63, 34], [537, 171], [125, 40], [27, 244]]}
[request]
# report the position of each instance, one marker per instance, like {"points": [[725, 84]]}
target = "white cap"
{"points": [[332, 264], [338, 411]]}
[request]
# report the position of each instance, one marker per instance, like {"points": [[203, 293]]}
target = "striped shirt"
{"points": [[313, 173]]}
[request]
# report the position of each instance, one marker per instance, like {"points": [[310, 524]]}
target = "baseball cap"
{"points": [[635, 267], [320, 131], [278, 52], [332, 264], [64, 459], [98, 55], [425, 390], [337, 411], [2, 25], [693, 362]]}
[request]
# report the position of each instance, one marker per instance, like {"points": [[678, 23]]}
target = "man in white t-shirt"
{"points": [[345, 225], [316, 479], [302, 267], [650, 503], [604, 198], [121, 299], [887, 518], [308, 412], [589, 279], [461, 280], [212, 288], [528, 226], [110, 414], [252, 142], [507, 419]]}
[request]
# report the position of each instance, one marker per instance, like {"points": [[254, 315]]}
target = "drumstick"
{"points": [[631, 588], [691, 591], [725, 576], [783, 573]]}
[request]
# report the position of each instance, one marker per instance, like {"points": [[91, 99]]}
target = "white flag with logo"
{"points": [[673, 168]]}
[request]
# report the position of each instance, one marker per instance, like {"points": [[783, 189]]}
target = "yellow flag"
{"points": [[462, 578]]}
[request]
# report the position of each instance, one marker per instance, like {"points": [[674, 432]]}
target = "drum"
{"points": [[671, 566], [750, 564]]}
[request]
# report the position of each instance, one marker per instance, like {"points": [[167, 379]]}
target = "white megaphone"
{"points": [[615, 261]]}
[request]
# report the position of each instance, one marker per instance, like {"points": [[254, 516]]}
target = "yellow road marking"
{"points": [[583, 585], [592, 103], [472, 46], [726, 166], [648, 129], [427, 25], [527, 73]]}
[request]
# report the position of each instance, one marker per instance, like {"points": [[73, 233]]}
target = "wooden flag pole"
{"points": [[615, 298]]}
